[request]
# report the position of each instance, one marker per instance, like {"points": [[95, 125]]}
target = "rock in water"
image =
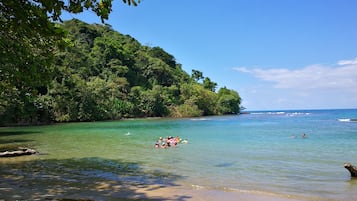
{"points": [[352, 169]]}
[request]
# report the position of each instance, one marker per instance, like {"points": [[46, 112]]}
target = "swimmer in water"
{"points": [[157, 145], [163, 145]]}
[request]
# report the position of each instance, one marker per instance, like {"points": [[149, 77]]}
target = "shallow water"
{"points": [[258, 152]]}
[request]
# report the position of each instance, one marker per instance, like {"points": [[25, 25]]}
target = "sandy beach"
{"points": [[28, 182], [212, 195], [14, 189]]}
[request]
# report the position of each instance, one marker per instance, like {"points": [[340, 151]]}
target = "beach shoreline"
{"points": [[106, 191], [37, 180], [194, 194], [17, 184]]}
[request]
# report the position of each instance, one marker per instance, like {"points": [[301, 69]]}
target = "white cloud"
{"points": [[347, 62], [314, 86], [310, 77]]}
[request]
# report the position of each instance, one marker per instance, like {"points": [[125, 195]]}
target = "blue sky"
{"points": [[278, 54]]}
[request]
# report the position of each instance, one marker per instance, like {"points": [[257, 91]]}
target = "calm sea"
{"points": [[259, 152]]}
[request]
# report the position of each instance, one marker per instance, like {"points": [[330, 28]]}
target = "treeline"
{"points": [[104, 75]]}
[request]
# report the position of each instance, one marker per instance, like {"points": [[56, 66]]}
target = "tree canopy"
{"points": [[53, 71], [29, 35]]}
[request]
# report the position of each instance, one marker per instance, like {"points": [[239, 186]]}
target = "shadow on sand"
{"points": [[83, 179]]}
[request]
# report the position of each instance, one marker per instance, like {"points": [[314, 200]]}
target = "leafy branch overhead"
{"points": [[29, 36]]}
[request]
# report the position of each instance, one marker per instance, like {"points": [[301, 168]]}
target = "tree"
{"points": [[159, 53], [196, 75], [208, 84], [29, 34], [188, 109], [228, 101], [198, 95], [29, 38]]}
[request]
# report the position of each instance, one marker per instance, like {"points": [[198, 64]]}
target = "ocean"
{"points": [[260, 152]]}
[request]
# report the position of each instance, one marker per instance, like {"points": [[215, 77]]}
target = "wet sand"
{"points": [[179, 193]]}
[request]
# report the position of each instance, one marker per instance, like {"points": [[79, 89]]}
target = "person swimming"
{"points": [[157, 145], [163, 145]]}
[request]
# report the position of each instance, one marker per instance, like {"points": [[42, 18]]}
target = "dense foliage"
{"points": [[101, 75], [29, 38]]}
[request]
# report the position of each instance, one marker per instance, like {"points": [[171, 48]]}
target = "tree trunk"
{"points": [[20, 152]]}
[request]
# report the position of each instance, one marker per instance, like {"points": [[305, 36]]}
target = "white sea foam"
{"points": [[344, 120], [199, 119], [297, 113], [281, 113], [347, 120], [270, 113]]}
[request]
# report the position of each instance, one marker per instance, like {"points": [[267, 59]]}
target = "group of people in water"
{"points": [[169, 141]]}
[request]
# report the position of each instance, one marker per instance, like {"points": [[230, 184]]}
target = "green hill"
{"points": [[105, 75]]}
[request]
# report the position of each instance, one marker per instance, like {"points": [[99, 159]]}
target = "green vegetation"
{"points": [[73, 71]]}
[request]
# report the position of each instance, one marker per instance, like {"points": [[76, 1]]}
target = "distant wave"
{"points": [[347, 120], [281, 113], [199, 119], [298, 113], [272, 113]]}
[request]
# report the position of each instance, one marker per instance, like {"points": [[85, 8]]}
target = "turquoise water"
{"points": [[258, 152]]}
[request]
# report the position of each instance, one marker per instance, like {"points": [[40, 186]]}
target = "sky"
{"points": [[277, 54]]}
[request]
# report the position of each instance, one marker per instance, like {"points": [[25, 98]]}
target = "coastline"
{"points": [[102, 162], [246, 112]]}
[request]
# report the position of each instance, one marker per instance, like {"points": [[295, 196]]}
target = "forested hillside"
{"points": [[104, 75]]}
